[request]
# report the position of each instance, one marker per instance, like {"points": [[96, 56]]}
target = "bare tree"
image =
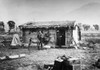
{"points": [[80, 25], [43, 38]]}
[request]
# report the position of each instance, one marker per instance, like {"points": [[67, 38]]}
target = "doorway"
{"points": [[60, 37]]}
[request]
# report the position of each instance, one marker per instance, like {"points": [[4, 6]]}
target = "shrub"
{"points": [[94, 40]]}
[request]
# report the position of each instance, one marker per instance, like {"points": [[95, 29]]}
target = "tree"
{"points": [[80, 25], [96, 27], [43, 38], [11, 25], [2, 26], [86, 27]]}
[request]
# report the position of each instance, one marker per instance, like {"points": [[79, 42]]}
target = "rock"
{"points": [[22, 55], [85, 48], [16, 56], [47, 46], [74, 60], [13, 56], [3, 58]]}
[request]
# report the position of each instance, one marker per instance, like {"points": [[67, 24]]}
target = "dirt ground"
{"points": [[35, 59]]}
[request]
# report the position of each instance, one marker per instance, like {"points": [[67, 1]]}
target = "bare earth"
{"points": [[41, 57]]}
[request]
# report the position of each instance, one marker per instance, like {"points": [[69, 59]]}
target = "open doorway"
{"points": [[60, 37]]}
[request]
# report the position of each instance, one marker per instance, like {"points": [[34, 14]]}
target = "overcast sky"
{"points": [[22, 11]]}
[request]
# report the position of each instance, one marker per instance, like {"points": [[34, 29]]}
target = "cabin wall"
{"points": [[53, 37], [29, 35]]}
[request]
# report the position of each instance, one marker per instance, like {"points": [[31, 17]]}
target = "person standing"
{"points": [[59, 39], [40, 38]]}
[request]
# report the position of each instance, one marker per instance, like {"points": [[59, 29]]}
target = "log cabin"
{"points": [[61, 32]]}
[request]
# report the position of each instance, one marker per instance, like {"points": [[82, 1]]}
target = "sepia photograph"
{"points": [[49, 34]]}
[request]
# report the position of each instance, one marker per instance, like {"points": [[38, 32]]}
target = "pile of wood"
{"points": [[12, 57]]}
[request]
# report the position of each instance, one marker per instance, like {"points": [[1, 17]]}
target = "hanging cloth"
{"points": [[76, 34], [15, 40]]}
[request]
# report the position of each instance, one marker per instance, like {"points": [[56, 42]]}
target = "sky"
{"points": [[22, 11]]}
